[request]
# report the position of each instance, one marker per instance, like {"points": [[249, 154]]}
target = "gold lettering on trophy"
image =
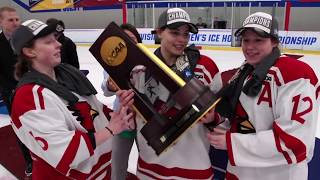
{"points": [[114, 51]]}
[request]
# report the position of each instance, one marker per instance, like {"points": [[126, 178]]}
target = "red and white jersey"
{"points": [[57, 134], [273, 135], [188, 158]]}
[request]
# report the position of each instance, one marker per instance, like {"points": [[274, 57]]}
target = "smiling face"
{"points": [[45, 53], [174, 41], [255, 47]]}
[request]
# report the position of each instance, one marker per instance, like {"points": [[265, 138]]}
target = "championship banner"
{"points": [[119, 55], [40, 5], [49, 5]]}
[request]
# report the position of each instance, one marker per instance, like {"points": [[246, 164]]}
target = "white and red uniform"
{"points": [[57, 135], [273, 134], [188, 158]]}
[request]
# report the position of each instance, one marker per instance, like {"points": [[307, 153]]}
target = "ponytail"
{"points": [[24, 64], [21, 67]]}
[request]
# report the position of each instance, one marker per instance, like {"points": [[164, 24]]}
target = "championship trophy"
{"points": [[118, 55]]}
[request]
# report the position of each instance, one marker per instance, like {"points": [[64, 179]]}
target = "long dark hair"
{"points": [[24, 64], [132, 29]]}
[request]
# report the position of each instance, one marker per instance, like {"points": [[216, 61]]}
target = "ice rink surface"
{"points": [[224, 59]]}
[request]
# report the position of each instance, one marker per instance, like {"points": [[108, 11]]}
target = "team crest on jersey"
{"points": [[245, 127], [85, 114]]}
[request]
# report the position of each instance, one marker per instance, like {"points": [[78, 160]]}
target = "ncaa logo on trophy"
{"points": [[114, 51]]}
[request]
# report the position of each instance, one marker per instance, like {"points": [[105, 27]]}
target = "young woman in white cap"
{"points": [[188, 158], [55, 112], [271, 106]]}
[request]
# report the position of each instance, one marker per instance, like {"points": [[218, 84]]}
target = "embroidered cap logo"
{"points": [[177, 15], [35, 26], [259, 20]]}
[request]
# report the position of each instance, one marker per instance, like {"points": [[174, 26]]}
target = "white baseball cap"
{"points": [[262, 23], [29, 30], [174, 18]]}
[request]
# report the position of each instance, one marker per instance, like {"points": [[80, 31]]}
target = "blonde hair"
{"points": [[6, 8]]}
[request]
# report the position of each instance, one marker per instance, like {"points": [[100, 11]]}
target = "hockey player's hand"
{"points": [[211, 120], [121, 120], [209, 117], [217, 138], [125, 97]]}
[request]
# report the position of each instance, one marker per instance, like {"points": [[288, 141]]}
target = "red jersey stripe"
{"points": [[298, 147], [41, 100], [24, 102], [285, 153], [69, 155], [175, 171], [229, 148]]}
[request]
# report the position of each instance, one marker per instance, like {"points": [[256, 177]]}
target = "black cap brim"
{"points": [[239, 32], [192, 28], [259, 32]]}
